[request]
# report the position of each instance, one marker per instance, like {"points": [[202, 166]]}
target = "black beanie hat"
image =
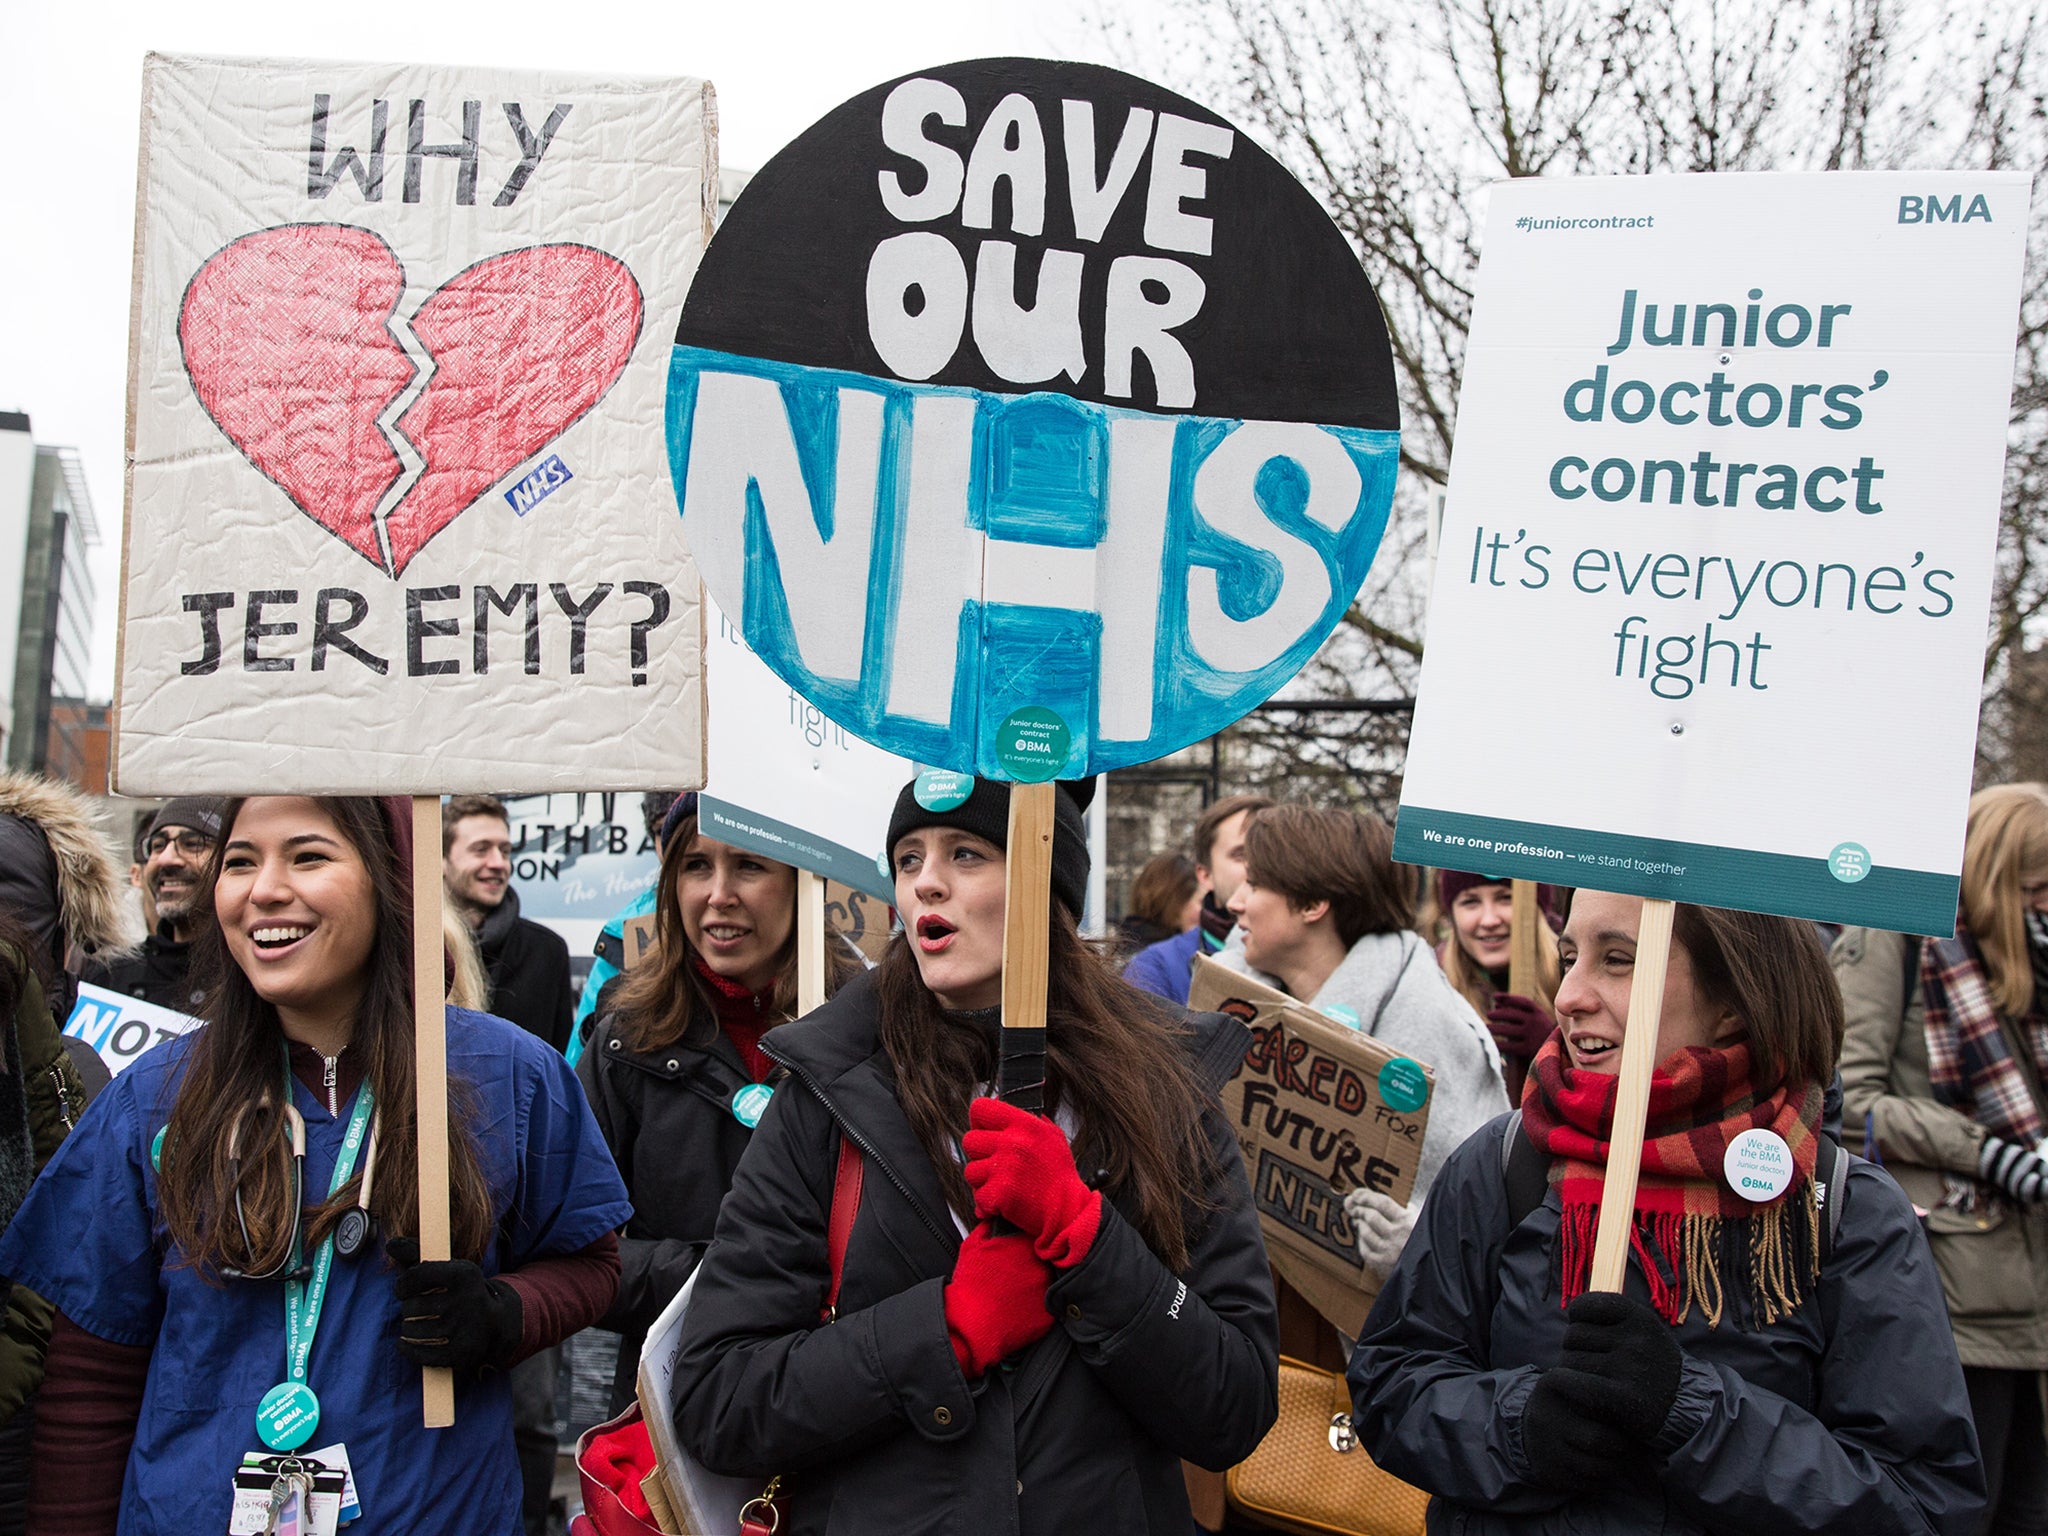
{"points": [[986, 813]]}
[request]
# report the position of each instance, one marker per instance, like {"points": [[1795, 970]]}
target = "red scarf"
{"points": [[1692, 1233], [745, 1017]]}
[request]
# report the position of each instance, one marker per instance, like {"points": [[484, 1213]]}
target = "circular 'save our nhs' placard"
{"points": [[1025, 411]]}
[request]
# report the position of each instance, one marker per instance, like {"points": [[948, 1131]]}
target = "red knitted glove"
{"points": [[1520, 1025], [995, 1302], [1021, 1168]]}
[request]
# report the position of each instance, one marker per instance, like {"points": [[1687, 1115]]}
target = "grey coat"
{"points": [[1846, 1419]]}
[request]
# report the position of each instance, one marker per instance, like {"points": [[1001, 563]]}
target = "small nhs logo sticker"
{"points": [[548, 476]]}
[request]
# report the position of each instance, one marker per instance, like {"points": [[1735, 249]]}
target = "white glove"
{"points": [[1381, 1226]]}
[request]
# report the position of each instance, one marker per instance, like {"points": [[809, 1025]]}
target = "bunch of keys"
{"points": [[291, 1497]]}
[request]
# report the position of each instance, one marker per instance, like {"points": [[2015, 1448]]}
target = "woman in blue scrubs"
{"points": [[224, 1295]]}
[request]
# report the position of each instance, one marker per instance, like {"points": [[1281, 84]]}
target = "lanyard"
{"points": [[303, 1300]]}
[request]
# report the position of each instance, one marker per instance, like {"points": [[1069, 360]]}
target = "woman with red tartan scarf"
{"points": [[1942, 1072], [1736, 1382], [674, 1069], [1038, 1317]]}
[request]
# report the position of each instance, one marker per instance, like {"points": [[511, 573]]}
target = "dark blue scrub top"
{"points": [[88, 1240]]}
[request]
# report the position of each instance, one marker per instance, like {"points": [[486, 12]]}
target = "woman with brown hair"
{"points": [[1036, 1319], [675, 1070], [1942, 1075], [1775, 1360], [230, 1236], [1165, 900], [1479, 911]]}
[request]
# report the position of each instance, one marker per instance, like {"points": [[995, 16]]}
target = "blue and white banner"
{"points": [[120, 1027]]}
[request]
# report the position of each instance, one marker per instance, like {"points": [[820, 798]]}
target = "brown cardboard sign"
{"points": [[860, 917], [638, 936], [1319, 1110]]}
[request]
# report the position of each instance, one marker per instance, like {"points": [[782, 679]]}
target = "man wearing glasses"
{"points": [[174, 851]]}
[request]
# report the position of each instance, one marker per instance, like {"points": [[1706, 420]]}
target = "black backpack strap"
{"points": [[1525, 1171], [1830, 1189]]}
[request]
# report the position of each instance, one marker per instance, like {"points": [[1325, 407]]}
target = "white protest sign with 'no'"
{"points": [[121, 1028], [1029, 420], [399, 516], [1708, 618], [786, 782]]}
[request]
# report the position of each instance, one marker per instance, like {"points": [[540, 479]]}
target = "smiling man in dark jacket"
{"points": [[174, 852], [528, 964]]}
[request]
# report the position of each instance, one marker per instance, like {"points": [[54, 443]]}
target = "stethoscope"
{"points": [[352, 1234]]}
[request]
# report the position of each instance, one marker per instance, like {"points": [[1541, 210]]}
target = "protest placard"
{"points": [[120, 1027], [1319, 1109], [399, 516], [1724, 504], [397, 506], [1044, 537], [1037, 538], [784, 781]]}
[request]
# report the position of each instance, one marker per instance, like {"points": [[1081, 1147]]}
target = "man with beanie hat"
{"points": [[175, 850]]}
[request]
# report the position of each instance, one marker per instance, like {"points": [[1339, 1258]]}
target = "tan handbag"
{"points": [[1310, 1475]]}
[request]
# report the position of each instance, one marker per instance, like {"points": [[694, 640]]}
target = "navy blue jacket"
{"points": [[1848, 1418]]}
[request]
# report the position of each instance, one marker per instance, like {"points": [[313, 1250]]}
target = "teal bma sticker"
{"points": [[1344, 1015], [751, 1103], [941, 789], [1403, 1087], [287, 1416], [1033, 744], [1849, 862]]}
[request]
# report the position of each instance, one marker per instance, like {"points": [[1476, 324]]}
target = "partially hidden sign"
{"points": [[784, 781], [1724, 506], [1319, 1110], [1030, 420], [120, 1027], [399, 516]]}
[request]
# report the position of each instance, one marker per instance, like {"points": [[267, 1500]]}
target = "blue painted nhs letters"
{"points": [[920, 560]]}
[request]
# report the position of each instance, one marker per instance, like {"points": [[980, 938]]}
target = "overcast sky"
{"points": [[68, 117]]}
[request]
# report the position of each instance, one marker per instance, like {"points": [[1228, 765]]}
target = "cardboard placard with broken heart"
{"points": [[399, 512]]}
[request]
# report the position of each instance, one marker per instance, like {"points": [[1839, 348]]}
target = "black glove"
{"points": [[2019, 1174], [1620, 1363], [450, 1315], [1569, 1451]]}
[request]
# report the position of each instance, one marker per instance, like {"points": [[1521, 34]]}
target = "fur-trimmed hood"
{"points": [[91, 873]]}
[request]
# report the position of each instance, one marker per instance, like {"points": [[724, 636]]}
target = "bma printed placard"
{"points": [[399, 516], [787, 783], [1719, 541], [1031, 420]]}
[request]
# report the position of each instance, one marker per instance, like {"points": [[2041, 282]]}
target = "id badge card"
{"points": [[271, 1501], [335, 1456]]}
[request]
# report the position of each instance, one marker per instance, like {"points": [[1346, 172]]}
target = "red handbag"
{"points": [[625, 1492]]}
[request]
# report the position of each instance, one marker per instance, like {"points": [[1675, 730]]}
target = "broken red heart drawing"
{"points": [[291, 337]]}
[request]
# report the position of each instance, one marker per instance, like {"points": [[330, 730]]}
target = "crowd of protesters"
{"points": [[915, 1306]]}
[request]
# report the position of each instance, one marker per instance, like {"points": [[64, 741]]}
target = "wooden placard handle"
{"points": [[1028, 902], [430, 1072], [1632, 1097], [810, 941], [1524, 934]]}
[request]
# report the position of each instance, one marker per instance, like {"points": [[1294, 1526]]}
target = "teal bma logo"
{"points": [[1934, 210], [1849, 862]]}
